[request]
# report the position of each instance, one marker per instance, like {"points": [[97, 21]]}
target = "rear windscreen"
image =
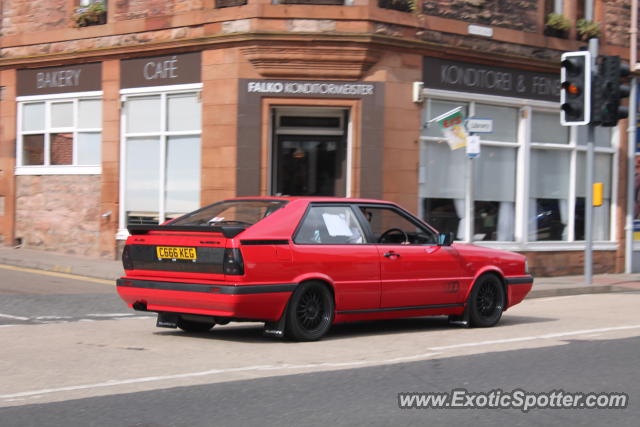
{"points": [[236, 212]]}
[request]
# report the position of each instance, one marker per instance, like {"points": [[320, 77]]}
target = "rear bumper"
{"points": [[251, 301], [518, 288]]}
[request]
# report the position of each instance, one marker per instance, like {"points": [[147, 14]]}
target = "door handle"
{"points": [[392, 254]]}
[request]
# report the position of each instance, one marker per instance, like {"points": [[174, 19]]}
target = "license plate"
{"points": [[174, 252]]}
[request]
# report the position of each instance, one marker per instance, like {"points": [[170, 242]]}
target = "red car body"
{"points": [[250, 272]]}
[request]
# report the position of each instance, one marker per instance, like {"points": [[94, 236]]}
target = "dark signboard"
{"points": [[160, 70], [329, 89], [54, 80], [490, 80]]}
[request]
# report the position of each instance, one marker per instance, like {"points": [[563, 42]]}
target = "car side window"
{"points": [[330, 225], [390, 227]]}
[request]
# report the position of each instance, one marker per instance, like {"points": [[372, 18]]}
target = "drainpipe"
{"points": [[631, 138]]}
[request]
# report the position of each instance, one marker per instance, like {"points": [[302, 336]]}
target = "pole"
{"points": [[588, 208], [469, 201], [631, 176]]}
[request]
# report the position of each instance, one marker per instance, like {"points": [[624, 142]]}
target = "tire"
{"points": [[310, 312], [486, 302], [194, 327]]}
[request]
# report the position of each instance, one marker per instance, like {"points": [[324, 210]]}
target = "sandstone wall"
{"points": [[59, 213], [514, 14]]}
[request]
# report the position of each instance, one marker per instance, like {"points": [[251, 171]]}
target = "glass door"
{"points": [[307, 165]]}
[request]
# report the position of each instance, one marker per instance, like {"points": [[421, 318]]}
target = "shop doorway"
{"points": [[309, 152]]}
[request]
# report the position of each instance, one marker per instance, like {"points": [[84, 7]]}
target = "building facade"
{"points": [[135, 112]]}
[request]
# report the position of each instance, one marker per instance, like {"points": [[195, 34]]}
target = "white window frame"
{"points": [[524, 146], [47, 169], [162, 134]]}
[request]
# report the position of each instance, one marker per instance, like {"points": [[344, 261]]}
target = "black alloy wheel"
{"points": [[310, 312], [486, 302]]}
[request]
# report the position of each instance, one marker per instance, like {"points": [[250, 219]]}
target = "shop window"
{"points": [[443, 171], [59, 133], [505, 122], [601, 214], [546, 128], [549, 194], [162, 152], [444, 214], [602, 136], [495, 194]]}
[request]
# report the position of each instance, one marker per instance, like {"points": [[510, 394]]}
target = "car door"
{"points": [[414, 270], [331, 243]]}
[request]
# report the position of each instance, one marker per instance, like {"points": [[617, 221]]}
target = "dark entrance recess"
{"points": [[310, 165]]}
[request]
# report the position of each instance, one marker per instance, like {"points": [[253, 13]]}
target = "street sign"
{"points": [[480, 125], [473, 146]]}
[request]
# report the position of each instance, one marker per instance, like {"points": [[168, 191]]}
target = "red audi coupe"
{"points": [[301, 264]]}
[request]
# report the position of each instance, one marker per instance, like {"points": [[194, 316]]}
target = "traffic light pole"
{"points": [[588, 205]]}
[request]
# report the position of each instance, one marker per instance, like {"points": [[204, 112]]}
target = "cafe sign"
{"points": [[490, 80], [165, 70], [64, 79]]}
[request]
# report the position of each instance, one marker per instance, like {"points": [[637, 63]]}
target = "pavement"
{"points": [[105, 269]]}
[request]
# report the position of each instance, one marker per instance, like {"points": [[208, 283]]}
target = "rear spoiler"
{"points": [[229, 231]]}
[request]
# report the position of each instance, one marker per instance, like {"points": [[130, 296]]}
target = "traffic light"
{"points": [[575, 95], [612, 90]]}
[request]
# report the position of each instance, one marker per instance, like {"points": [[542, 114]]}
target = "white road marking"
{"points": [[112, 383], [52, 317], [110, 314], [8, 316], [536, 337], [434, 351]]}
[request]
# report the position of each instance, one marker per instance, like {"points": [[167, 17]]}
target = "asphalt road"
{"points": [[43, 298], [368, 396], [72, 354]]}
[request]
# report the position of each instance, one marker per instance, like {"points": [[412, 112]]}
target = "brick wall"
{"points": [[546, 264], [59, 213], [23, 16], [616, 21], [135, 9], [514, 14]]}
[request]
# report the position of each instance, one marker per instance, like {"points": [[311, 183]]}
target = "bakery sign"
{"points": [[490, 80], [164, 70], [55, 80]]}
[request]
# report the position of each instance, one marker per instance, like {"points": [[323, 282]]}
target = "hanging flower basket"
{"points": [[94, 14], [587, 29], [557, 25]]}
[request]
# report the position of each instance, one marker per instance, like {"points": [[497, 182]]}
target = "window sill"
{"points": [[549, 246], [58, 170]]}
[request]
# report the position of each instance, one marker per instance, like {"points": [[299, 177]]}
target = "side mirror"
{"points": [[445, 239]]}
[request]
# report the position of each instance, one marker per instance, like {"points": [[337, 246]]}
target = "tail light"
{"points": [[127, 262], [233, 264]]}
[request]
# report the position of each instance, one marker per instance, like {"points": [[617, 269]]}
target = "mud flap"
{"points": [[463, 320], [167, 320], [276, 329]]}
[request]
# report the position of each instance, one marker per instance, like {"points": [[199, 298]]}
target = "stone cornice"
{"points": [[256, 47]]}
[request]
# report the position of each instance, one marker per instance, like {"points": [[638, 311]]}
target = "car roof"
{"points": [[314, 199]]}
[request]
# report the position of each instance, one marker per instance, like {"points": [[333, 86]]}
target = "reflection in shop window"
{"points": [[33, 150], [549, 192], [61, 145]]}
